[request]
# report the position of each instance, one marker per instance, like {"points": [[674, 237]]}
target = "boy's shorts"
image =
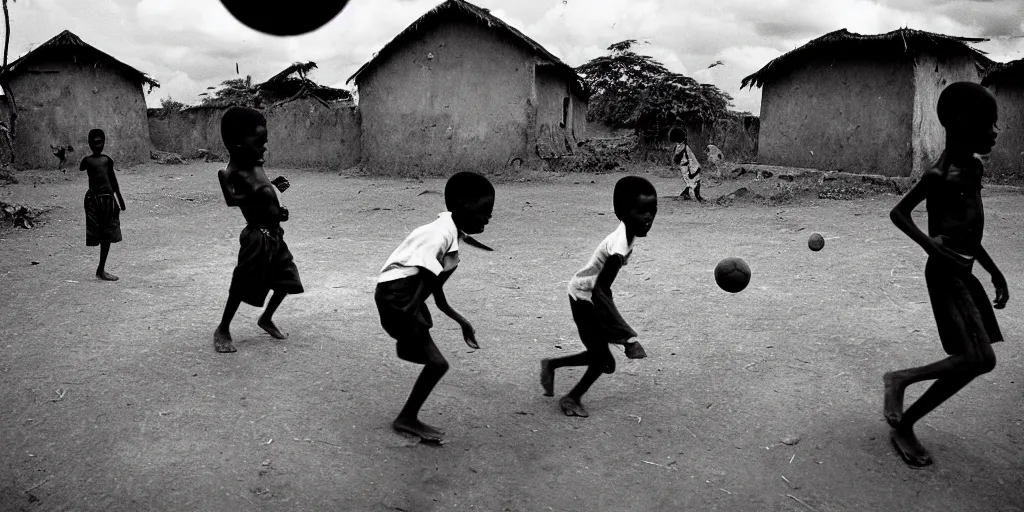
{"points": [[264, 264], [599, 323], [963, 313], [102, 219], [408, 323]]}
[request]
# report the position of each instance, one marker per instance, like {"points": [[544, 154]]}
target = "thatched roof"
{"points": [[1005, 73], [297, 68], [68, 44], [460, 9], [292, 81], [843, 43]]}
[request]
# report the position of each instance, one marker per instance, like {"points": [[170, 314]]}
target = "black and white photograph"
{"points": [[512, 255]]}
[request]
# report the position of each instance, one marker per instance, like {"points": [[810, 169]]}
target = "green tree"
{"points": [[169, 105], [233, 92], [636, 91]]}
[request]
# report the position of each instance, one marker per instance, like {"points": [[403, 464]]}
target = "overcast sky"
{"points": [[188, 45]]}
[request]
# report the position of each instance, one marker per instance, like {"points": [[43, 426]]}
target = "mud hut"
{"points": [[460, 89], [62, 89], [861, 103], [1006, 81]]}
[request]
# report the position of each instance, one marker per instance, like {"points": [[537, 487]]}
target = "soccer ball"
{"points": [[732, 274], [816, 242], [280, 18]]}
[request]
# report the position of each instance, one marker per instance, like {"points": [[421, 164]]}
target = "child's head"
{"points": [[969, 113], [244, 131], [470, 198], [97, 140], [677, 135], [636, 204]]}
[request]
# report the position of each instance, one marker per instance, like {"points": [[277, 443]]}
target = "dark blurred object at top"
{"points": [[284, 17]]}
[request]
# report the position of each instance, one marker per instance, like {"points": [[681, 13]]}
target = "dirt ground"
{"points": [[113, 398]]}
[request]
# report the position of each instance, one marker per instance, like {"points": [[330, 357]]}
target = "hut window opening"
{"points": [[565, 112]]}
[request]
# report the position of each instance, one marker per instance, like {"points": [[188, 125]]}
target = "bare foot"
{"points": [[415, 427], [909, 448], [547, 377], [433, 430], [572, 407], [222, 341], [893, 408], [268, 325], [105, 276]]}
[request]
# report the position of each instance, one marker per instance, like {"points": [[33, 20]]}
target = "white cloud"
{"points": [[189, 45], [188, 16]]}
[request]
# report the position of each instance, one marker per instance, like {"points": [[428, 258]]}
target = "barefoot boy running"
{"points": [[419, 268], [590, 296], [264, 261], [103, 202], [966, 321]]}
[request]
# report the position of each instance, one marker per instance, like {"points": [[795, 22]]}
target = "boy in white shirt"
{"points": [[419, 268], [590, 296]]}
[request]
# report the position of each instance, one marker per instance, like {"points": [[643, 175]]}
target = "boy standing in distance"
{"points": [[967, 325], [103, 202], [590, 296], [419, 268], [264, 261]]}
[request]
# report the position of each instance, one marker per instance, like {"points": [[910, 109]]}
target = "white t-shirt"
{"points": [[581, 284], [433, 246]]}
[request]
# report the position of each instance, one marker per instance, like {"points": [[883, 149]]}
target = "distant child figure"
{"points": [[714, 158], [264, 261], [590, 296], [103, 202], [686, 161], [62, 153], [419, 268], [966, 321]]}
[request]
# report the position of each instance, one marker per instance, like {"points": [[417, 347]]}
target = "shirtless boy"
{"points": [[967, 325], [103, 202], [264, 261]]}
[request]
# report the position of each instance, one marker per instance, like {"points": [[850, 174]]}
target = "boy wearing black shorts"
{"points": [[419, 268], [264, 261], [590, 296], [103, 202], [967, 325]]}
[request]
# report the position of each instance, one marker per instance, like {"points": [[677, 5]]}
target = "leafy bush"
{"points": [[636, 91]]}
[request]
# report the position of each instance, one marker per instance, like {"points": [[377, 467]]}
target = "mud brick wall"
{"points": [[302, 133]]}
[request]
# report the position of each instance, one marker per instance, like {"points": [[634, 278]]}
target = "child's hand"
{"points": [[469, 334], [283, 214], [281, 183], [1002, 291]]}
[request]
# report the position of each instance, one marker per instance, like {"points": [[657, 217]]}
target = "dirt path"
{"points": [[113, 398]]}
